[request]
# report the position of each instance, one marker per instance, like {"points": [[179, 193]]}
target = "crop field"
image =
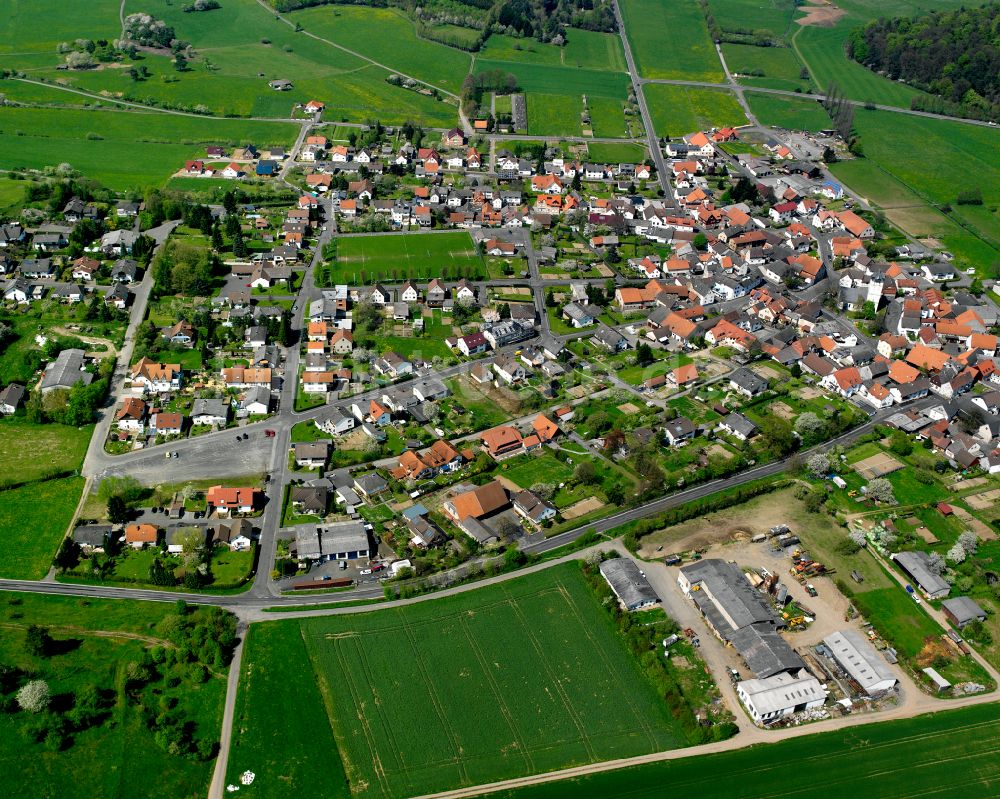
{"points": [[118, 757], [624, 153], [584, 50], [554, 114], [780, 67], [406, 693], [27, 549], [942, 754], [399, 256], [787, 112], [396, 44], [94, 141], [35, 29], [670, 40], [677, 110], [11, 194]]}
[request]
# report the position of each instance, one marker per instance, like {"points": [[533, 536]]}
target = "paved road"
{"points": [[647, 121]]}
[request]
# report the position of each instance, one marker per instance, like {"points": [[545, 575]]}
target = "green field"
{"points": [[117, 756], [553, 114], [949, 753], [94, 141], [584, 50], [396, 45], [361, 259], [780, 67], [27, 549], [897, 175], [670, 40], [405, 693], [773, 17], [607, 117], [617, 153], [32, 451], [788, 112], [240, 47], [562, 80], [677, 110]]}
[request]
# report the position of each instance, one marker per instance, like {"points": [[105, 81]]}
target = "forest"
{"points": [[954, 55]]}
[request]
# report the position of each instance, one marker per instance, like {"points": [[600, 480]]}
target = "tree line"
{"points": [[954, 55]]}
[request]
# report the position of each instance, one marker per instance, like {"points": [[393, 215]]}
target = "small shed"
{"points": [[939, 682], [944, 509], [961, 610]]}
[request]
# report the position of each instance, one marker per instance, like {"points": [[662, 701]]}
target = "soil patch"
{"points": [[980, 528], [810, 392], [822, 15], [718, 450], [877, 466], [581, 508], [628, 408], [984, 500], [781, 410]]}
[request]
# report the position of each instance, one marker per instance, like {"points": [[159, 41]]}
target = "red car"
{"points": [[269, 433]]}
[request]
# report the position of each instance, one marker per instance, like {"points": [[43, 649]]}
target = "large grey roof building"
{"points": [[861, 661], [345, 540], [915, 565], [66, 371], [628, 583], [739, 614]]}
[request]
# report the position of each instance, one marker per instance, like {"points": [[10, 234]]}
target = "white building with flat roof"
{"points": [[782, 695]]}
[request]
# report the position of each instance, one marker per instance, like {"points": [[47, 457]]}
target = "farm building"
{"points": [[781, 695], [914, 565], [861, 661], [961, 610], [628, 583], [739, 615]]}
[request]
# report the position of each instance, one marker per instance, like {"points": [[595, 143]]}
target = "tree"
{"points": [[34, 696], [616, 494], [217, 243], [239, 246], [180, 62], [880, 490], [956, 554], [126, 487], [117, 510], [543, 490], [585, 473], [818, 463], [37, 641], [700, 241], [858, 537], [886, 539], [644, 354], [68, 555], [935, 563], [778, 433], [900, 443], [808, 424], [969, 541]]}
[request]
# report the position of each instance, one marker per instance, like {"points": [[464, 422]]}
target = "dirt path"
{"points": [[71, 630], [110, 350], [217, 789]]}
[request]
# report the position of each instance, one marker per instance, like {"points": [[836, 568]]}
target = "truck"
{"points": [[672, 560], [811, 590]]}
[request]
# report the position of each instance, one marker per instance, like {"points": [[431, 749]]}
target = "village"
{"points": [[454, 354]]}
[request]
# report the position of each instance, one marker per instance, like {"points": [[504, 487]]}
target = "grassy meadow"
{"points": [[553, 114], [401, 256], [28, 549], [404, 693], [670, 40], [122, 149], [780, 66], [677, 110]]}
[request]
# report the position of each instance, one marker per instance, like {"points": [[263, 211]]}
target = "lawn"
{"points": [[531, 469], [31, 452], [786, 112], [670, 40], [553, 114], [93, 141], [421, 256], [946, 754], [569, 81], [404, 693], [11, 195], [771, 67], [773, 17], [623, 153], [28, 549], [677, 110], [117, 757]]}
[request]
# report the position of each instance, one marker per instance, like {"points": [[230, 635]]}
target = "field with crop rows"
{"points": [[677, 110], [399, 256], [408, 691], [670, 40]]}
